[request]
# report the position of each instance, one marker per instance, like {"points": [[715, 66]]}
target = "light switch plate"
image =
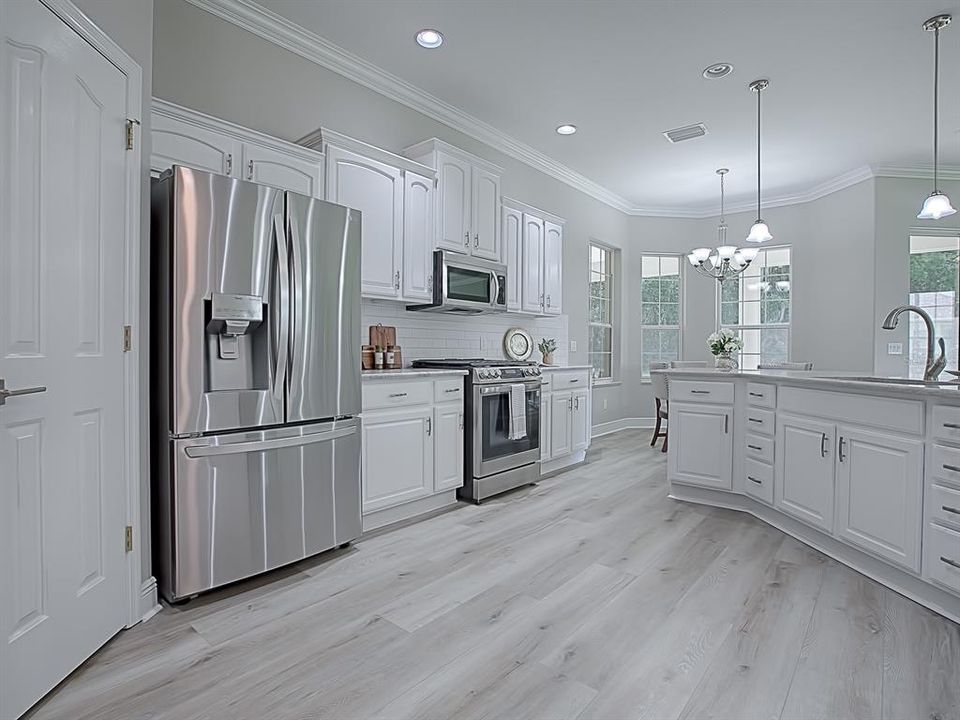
{"points": [[894, 348], [573, 346]]}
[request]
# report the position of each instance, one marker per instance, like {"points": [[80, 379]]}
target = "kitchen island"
{"points": [[866, 470]]}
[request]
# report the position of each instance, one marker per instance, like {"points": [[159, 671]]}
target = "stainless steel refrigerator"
{"points": [[255, 378]]}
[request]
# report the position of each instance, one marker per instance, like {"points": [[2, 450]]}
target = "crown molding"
{"points": [[276, 29]]}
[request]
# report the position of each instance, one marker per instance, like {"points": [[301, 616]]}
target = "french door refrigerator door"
{"points": [[324, 369], [247, 502], [225, 303]]}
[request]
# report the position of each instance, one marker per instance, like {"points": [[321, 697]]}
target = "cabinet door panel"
{"points": [[178, 143], [287, 171], [804, 483], [879, 489], [546, 428], [417, 281], [552, 268], [376, 190], [532, 264], [453, 204], [512, 241], [485, 223], [561, 412], [397, 457], [701, 445], [580, 425], [448, 447]]}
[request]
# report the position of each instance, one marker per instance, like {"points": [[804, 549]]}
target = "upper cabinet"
{"points": [[512, 225], [552, 267], [537, 265], [468, 199], [180, 136]]}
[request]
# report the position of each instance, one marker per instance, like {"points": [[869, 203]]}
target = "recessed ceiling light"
{"points": [[429, 38], [566, 129], [717, 71]]}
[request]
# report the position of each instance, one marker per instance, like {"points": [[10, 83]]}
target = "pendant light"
{"points": [[937, 205], [759, 233], [726, 261]]}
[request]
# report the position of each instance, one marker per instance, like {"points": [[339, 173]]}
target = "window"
{"points": [[603, 262], [933, 287], [757, 305], [660, 310]]}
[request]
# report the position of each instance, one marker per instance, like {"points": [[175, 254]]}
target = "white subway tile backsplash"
{"points": [[430, 335]]}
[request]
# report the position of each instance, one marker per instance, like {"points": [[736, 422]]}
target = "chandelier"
{"points": [[725, 261]]}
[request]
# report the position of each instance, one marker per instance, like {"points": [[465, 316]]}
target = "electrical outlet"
{"points": [[604, 403], [894, 348], [573, 346]]}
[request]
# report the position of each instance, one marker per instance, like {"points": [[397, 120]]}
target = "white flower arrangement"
{"points": [[725, 342]]}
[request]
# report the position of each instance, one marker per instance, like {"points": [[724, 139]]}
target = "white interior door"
{"points": [[62, 491]]}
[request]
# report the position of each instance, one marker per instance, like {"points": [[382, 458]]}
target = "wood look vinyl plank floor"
{"points": [[590, 595]]}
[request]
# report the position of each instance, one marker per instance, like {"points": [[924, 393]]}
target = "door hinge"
{"points": [[130, 132], [127, 338], [128, 538]]}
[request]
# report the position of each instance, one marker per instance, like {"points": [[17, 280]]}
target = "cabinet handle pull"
{"points": [[755, 447], [429, 426], [755, 420], [461, 421], [699, 392], [476, 240], [951, 563], [949, 509], [726, 424], [548, 301], [250, 170], [952, 426], [466, 239], [398, 394], [753, 394], [229, 163], [954, 468], [450, 390], [754, 480], [570, 404], [823, 444], [840, 455], [430, 282], [396, 280], [574, 380]]}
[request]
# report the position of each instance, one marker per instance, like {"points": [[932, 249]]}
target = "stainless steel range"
{"points": [[501, 452]]}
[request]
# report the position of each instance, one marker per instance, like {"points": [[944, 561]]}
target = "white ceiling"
{"points": [[850, 82]]}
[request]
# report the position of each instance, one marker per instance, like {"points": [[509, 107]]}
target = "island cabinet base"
{"points": [[908, 585]]}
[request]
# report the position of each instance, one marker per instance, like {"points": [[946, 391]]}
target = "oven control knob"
{"points": [[495, 373], [482, 374]]}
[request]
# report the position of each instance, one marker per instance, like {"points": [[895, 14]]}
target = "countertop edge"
{"points": [[409, 373]]}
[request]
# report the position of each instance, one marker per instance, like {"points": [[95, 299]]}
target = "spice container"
{"points": [[397, 361], [378, 358], [367, 357], [388, 357]]}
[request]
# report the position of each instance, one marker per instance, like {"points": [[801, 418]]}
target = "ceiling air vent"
{"points": [[687, 132]]}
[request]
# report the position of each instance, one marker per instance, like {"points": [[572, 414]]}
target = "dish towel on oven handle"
{"points": [[518, 411]]}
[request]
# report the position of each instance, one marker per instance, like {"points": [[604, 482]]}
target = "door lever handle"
{"points": [[5, 393]]}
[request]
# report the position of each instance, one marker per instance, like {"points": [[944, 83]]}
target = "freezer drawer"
{"points": [[247, 502]]}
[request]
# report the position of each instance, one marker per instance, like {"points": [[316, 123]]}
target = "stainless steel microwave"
{"points": [[466, 285]]}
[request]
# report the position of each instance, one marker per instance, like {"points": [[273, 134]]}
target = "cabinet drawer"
{"points": [[758, 480], [945, 505], [448, 390], [946, 423], [701, 391], [941, 553], [945, 464], [762, 395], [760, 447], [760, 421], [389, 394], [568, 380]]}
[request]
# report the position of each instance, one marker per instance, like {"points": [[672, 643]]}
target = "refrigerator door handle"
{"points": [[200, 451], [283, 338], [296, 302]]}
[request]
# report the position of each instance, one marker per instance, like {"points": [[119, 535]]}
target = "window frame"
{"points": [[614, 257], [914, 321], [739, 327], [681, 274]]}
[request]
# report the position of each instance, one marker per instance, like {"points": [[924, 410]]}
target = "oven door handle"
{"points": [[499, 389]]}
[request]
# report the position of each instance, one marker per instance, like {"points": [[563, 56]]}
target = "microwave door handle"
{"points": [[496, 288], [283, 335]]}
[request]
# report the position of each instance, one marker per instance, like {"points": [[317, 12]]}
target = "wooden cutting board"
{"points": [[383, 335]]}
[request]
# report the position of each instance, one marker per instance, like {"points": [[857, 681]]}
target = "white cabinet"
{"points": [[580, 421], [879, 487], [546, 426], [512, 243], [804, 482], [397, 457], [468, 199], [180, 136], [561, 418], [552, 268], [701, 444], [564, 417], [417, 276], [532, 262], [448, 446], [376, 190]]}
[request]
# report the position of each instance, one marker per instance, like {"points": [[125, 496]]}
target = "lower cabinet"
{"points": [[561, 415], [448, 447], [564, 416], [804, 486], [701, 444], [580, 421], [397, 457], [546, 426], [879, 489]]}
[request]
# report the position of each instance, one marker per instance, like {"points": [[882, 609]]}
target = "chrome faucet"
{"points": [[935, 365]]}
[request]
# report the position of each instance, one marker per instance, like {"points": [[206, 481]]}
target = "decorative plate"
{"points": [[517, 344]]}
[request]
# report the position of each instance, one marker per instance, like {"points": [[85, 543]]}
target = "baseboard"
{"points": [[409, 510], [606, 428], [149, 601], [562, 463]]}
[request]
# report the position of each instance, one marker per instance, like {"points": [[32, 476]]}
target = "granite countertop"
{"points": [[832, 380], [409, 372]]}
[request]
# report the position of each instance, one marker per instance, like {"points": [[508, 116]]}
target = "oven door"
{"points": [[493, 450]]}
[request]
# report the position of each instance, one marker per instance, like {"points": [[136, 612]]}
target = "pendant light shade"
{"points": [[937, 205], [759, 233]]}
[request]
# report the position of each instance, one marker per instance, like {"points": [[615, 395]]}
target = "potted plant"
{"points": [[724, 345], [547, 347]]}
